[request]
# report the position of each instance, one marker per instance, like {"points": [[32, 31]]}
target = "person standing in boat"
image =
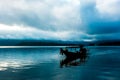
{"points": [[83, 53]]}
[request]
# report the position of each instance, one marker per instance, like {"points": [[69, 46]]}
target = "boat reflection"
{"points": [[66, 62]]}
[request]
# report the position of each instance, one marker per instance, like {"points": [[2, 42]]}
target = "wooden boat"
{"points": [[72, 56]]}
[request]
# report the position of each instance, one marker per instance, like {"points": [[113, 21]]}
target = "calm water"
{"points": [[42, 63]]}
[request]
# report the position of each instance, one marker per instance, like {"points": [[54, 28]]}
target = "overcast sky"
{"points": [[76, 20]]}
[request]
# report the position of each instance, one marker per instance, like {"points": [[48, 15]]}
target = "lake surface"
{"points": [[43, 63]]}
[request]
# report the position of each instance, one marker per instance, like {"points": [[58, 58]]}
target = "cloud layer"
{"points": [[43, 14], [59, 20]]}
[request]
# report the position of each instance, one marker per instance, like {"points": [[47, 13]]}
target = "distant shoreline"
{"points": [[57, 43]]}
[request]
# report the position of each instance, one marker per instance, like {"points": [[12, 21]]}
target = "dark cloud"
{"points": [[95, 24], [103, 27]]}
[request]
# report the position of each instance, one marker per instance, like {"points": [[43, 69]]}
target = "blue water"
{"points": [[42, 63]]}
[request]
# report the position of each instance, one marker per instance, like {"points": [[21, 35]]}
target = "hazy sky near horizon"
{"points": [[76, 20]]}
